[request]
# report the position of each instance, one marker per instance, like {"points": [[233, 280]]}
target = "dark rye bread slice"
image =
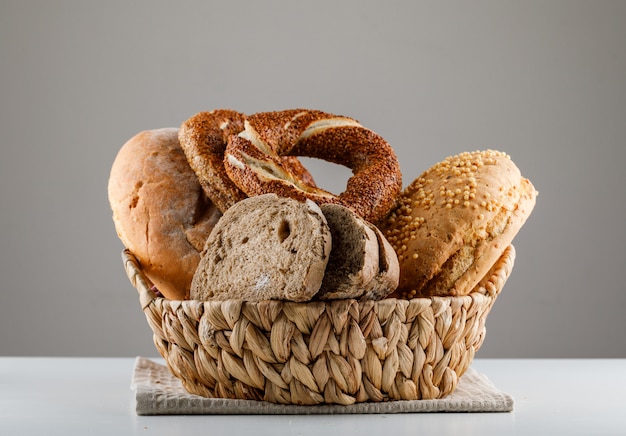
{"points": [[264, 247], [353, 260]]}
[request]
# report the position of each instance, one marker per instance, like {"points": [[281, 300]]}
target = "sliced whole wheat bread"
{"points": [[265, 247], [354, 258], [388, 276]]}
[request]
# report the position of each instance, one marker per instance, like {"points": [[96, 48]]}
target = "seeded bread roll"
{"points": [[159, 209], [353, 260], [453, 222], [265, 247]]}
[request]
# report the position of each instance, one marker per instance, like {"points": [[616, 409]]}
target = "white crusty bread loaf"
{"points": [[265, 247], [353, 260], [159, 209], [454, 222]]}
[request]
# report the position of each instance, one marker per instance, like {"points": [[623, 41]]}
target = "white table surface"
{"points": [[85, 396]]}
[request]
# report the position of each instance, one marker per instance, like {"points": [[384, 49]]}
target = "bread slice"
{"points": [[353, 260], [265, 247], [388, 276]]}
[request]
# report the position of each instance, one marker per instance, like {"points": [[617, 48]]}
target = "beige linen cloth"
{"points": [[158, 392]]}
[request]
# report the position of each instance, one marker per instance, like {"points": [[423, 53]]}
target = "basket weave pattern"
{"points": [[338, 352]]}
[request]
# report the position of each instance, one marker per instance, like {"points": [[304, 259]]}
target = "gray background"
{"points": [[544, 81]]}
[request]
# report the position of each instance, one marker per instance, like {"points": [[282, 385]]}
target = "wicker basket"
{"points": [[338, 352]]}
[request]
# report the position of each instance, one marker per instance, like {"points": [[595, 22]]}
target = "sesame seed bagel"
{"points": [[253, 159], [203, 138], [453, 222]]}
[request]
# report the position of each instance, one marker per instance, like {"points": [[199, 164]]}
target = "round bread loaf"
{"points": [[160, 211], [452, 223]]}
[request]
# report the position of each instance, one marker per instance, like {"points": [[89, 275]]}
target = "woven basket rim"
{"points": [[491, 285]]}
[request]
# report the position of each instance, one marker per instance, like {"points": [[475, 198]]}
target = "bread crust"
{"points": [[159, 210], [453, 222]]}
